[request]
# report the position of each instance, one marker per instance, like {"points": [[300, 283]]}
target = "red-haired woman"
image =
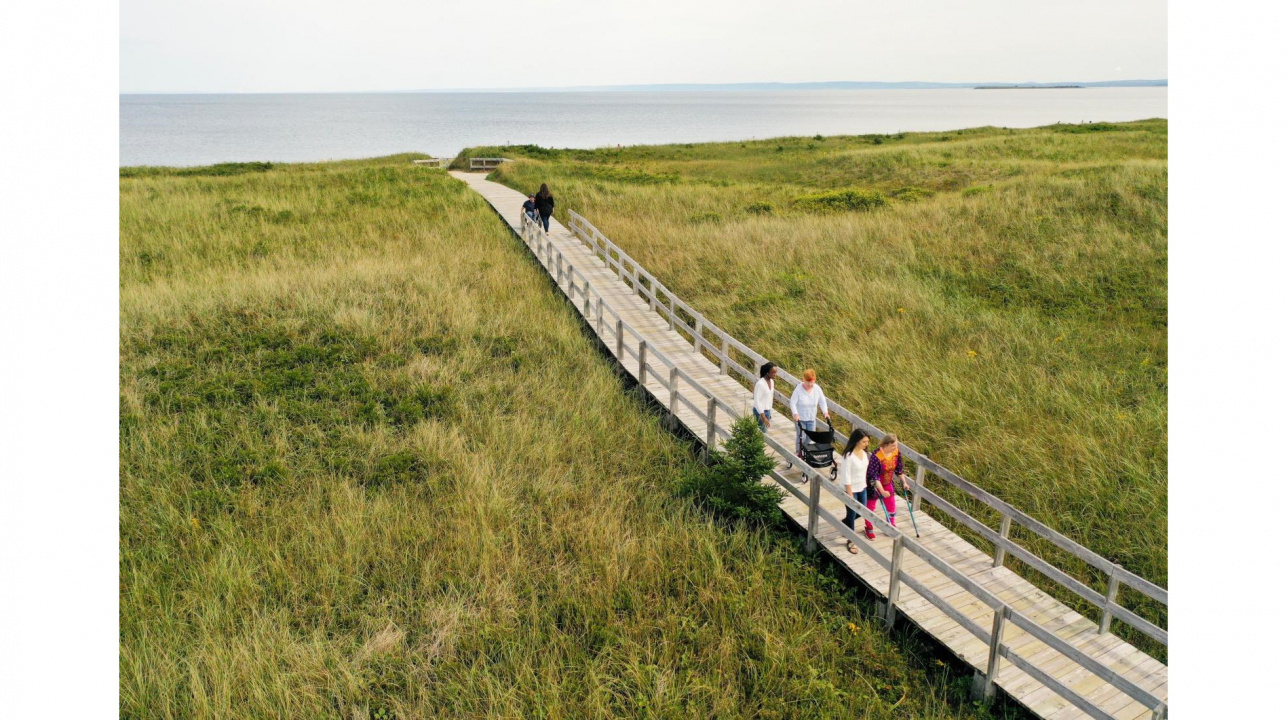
{"points": [[886, 464], [806, 401]]}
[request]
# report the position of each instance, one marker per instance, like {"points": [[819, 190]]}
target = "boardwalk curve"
{"points": [[1018, 638]]}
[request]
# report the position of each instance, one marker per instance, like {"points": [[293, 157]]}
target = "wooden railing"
{"points": [[485, 163], [641, 351]]}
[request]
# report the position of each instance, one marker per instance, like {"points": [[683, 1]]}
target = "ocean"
{"points": [[203, 129]]}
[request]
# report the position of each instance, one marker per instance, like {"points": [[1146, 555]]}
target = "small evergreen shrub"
{"points": [[729, 485]]}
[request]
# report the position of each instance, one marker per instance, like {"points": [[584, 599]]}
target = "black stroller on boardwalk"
{"points": [[817, 448]]}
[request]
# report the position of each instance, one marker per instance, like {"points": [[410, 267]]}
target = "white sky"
{"points": [[338, 45]]}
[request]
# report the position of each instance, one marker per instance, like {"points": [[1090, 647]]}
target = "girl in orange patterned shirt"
{"points": [[886, 463]]}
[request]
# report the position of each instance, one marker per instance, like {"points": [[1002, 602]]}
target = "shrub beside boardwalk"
{"points": [[369, 462]]}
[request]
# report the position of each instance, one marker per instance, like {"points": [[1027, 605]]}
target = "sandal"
{"points": [[852, 548]]}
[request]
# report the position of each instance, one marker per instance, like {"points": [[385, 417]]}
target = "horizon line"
{"points": [[682, 87]]}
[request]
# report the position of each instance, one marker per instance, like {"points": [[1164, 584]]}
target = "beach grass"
{"points": [[372, 466], [995, 296]]}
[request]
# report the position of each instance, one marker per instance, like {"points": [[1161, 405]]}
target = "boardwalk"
{"points": [[1020, 640]]}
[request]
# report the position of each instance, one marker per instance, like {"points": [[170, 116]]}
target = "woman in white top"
{"points": [[805, 403], [852, 475], [762, 399]]}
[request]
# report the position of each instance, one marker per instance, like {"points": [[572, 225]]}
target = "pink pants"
{"points": [[873, 497]]}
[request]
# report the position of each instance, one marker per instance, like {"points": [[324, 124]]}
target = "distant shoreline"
{"points": [[699, 87], [1031, 87]]}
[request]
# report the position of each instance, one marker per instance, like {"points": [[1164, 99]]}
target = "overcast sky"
{"points": [[342, 45]]}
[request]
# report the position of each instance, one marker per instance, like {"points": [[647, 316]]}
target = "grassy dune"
{"points": [[997, 297], [372, 467]]}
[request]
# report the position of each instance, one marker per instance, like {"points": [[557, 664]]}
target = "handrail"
{"points": [[1003, 612], [590, 235], [485, 163], [994, 602]]}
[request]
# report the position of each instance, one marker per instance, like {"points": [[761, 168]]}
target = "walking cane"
{"points": [[880, 503], [889, 516], [911, 512]]}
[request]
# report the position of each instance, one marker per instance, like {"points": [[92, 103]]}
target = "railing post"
{"points": [[674, 396], [598, 322], [643, 364], [723, 357], [999, 557], [559, 264], [1110, 597], [1159, 712], [671, 312], [585, 290], [621, 350], [697, 337], [710, 426], [985, 684], [621, 268], [895, 577], [920, 482], [815, 490]]}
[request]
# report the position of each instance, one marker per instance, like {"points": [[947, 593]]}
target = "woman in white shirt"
{"points": [[852, 475], [762, 399], [805, 403]]}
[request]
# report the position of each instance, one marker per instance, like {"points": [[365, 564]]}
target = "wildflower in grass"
{"points": [[972, 354], [196, 524], [853, 628], [1059, 339], [902, 310]]}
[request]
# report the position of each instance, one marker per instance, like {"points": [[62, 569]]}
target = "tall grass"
{"points": [[371, 467], [997, 297]]}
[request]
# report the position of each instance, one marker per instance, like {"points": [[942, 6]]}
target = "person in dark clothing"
{"points": [[529, 207], [545, 205]]}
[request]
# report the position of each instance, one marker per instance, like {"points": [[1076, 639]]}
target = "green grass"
{"points": [[997, 297], [371, 466]]}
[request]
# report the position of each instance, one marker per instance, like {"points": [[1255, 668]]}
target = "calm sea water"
{"points": [[202, 129]]}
